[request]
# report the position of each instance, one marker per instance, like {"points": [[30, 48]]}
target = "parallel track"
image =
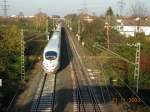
{"points": [[44, 99], [85, 98]]}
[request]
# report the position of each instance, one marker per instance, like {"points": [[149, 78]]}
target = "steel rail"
{"points": [[45, 97], [80, 69]]}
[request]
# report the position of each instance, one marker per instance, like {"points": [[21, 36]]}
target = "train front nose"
{"points": [[49, 67]]}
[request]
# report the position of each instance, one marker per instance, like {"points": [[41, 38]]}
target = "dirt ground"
{"points": [[24, 101]]}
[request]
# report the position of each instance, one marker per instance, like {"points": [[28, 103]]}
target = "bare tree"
{"points": [[40, 20], [139, 9]]}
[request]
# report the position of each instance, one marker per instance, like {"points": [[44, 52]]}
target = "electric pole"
{"points": [[53, 24], [79, 29], [137, 65], [22, 57], [84, 10], [47, 32], [79, 26], [107, 26], [121, 6], [5, 7], [70, 25]]}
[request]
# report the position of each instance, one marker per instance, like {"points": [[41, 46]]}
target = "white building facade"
{"points": [[130, 27]]}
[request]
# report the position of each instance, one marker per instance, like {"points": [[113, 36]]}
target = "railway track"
{"points": [[84, 97], [44, 99]]}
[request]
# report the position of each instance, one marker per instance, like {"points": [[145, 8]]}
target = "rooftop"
{"points": [[135, 21]]}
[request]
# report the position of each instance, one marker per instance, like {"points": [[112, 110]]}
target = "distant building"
{"points": [[30, 16], [21, 17], [13, 16], [130, 26], [55, 16], [88, 18]]}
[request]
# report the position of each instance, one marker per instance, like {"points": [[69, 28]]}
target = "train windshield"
{"points": [[51, 55]]}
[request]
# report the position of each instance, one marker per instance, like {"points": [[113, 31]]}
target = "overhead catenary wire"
{"points": [[121, 57], [103, 73], [32, 39], [130, 88], [23, 54], [135, 94], [136, 64]]}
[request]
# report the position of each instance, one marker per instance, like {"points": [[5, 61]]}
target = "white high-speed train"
{"points": [[51, 54]]}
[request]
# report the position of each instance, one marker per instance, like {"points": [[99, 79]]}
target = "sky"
{"points": [[63, 7]]}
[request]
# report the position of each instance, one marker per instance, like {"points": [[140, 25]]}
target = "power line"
{"points": [[84, 6], [83, 10], [131, 90], [5, 7], [23, 71], [121, 6], [96, 45], [136, 64]]}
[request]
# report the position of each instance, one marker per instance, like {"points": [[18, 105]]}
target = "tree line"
{"points": [[95, 31], [10, 51]]}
